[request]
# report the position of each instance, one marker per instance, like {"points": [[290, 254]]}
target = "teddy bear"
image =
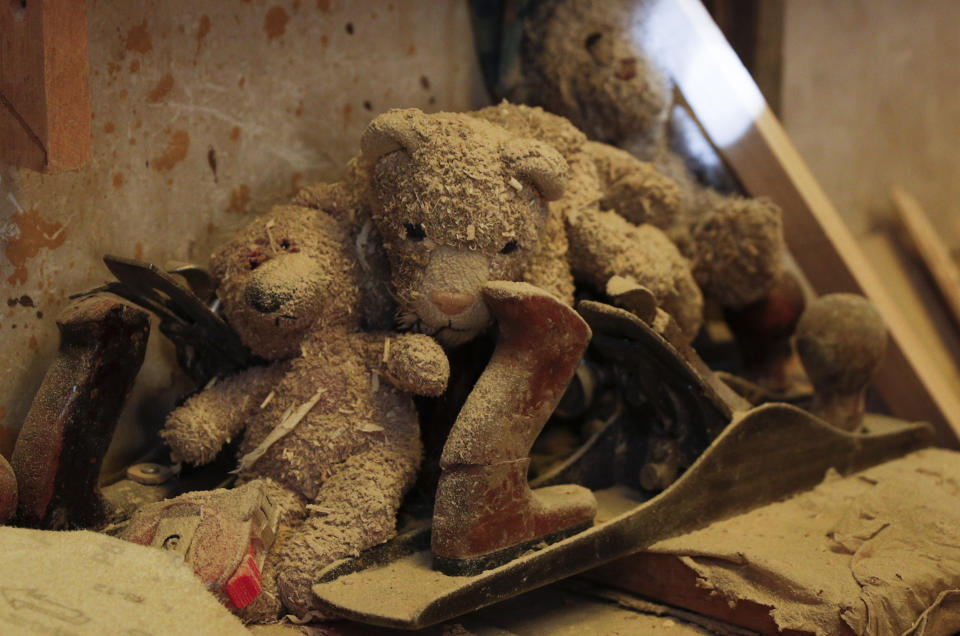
{"points": [[509, 193], [328, 426], [594, 62]]}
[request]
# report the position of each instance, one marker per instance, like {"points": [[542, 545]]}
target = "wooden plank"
{"points": [[44, 92], [753, 143], [927, 244]]}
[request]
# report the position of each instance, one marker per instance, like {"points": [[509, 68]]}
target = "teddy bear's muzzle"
{"points": [[265, 300], [451, 302]]}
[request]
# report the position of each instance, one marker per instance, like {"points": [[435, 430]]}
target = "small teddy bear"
{"points": [[508, 193], [328, 424], [593, 62]]}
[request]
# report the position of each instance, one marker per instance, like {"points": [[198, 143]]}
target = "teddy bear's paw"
{"points": [[418, 364], [192, 438]]}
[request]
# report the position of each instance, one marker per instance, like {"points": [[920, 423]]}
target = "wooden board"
{"points": [[44, 94], [755, 146]]}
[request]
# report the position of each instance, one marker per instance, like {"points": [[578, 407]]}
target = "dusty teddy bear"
{"points": [[592, 61], [328, 424], [506, 193]]}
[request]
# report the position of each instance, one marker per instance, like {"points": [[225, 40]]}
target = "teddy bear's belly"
{"points": [[348, 419]]}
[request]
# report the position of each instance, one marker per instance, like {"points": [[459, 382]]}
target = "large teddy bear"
{"points": [[328, 424], [511, 193], [594, 62]]}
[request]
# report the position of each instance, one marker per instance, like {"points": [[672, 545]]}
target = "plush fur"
{"points": [[508, 193], [291, 284], [594, 62]]}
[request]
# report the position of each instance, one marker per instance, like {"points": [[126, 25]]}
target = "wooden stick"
{"points": [[932, 251], [734, 116]]}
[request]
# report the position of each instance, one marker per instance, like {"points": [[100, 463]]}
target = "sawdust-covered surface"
{"points": [[865, 554], [88, 583]]}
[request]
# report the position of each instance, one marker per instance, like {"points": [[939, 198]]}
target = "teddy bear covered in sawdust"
{"points": [[509, 193], [328, 424], [595, 62]]}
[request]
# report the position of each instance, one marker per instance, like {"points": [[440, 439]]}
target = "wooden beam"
{"points": [[748, 136], [44, 92]]}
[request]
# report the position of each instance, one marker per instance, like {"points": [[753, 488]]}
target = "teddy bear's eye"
{"points": [[591, 40], [255, 258], [510, 247], [288, 246], [416, 232]]}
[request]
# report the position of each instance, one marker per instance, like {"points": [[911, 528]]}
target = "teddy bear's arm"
{"points": [[412, 362], [198, 429], [636, 189], [604, 245]]}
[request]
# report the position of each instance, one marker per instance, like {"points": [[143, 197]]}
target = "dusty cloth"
{"points": [[88, 583], [867, 554]]}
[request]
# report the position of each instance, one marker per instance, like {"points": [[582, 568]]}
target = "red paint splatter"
{"points": [[175, 152], [35, 234]]}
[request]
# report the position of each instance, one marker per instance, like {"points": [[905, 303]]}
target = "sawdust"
{"points": [[866, 554]]}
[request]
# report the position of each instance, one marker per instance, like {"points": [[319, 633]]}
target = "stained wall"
{"points": [[203, 114], [871, 97]]}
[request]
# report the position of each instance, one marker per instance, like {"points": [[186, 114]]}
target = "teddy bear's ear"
{"points": [[538, 163], [389, 132]]}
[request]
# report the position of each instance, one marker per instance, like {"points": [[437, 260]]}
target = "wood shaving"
{"points": [[516, 185], [268, 399], [287, 423], [361, 245]]}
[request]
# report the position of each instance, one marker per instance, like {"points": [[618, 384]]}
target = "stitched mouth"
{"points": [[276, 321]]}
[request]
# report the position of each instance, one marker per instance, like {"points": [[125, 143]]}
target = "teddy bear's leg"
{"points": [[355, 509], [485, 510], [198, 429]]}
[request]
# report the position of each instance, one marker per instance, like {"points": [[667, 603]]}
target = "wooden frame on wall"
{"points": [[44, 91]]}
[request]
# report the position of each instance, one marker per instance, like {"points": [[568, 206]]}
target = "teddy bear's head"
{"points": [[458, 202], [284, 274], [581, 60]]}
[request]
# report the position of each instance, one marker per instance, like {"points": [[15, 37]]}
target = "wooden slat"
{"points": [[754, 144], [927, 244], [44, 92]]}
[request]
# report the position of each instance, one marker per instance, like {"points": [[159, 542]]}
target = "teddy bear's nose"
{"points": [[451, 302], [263, 300]]}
